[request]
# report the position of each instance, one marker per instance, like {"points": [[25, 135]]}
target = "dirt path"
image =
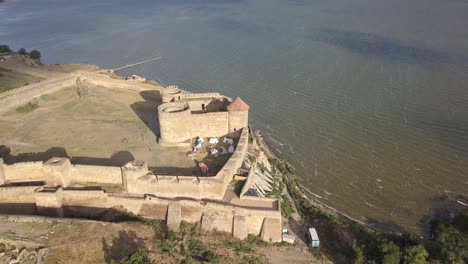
{"points": [[290, 256]]}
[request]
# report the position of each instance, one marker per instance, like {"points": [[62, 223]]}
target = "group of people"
{"points": [[211, 149]]}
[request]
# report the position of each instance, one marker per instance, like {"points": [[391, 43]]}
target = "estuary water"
{"points": [[367, 99]]}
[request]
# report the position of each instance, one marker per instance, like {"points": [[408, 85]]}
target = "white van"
{"points": [[313, 237]]}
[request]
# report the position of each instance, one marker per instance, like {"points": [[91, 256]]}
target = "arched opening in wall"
{"points": [[235, 129], [203, 107], [179, 98]]}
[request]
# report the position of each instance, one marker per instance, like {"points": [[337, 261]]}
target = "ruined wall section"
{"points": [[24, 172], [107, 81], [59, 171], [136, 179], [212, 215], [139, 180], [17, 200], [25, 94], [98, 174]]}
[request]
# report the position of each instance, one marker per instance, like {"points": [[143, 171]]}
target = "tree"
{"points": [[139, 257], [359, 256], [4, 48], [22, 51], [415, 255], [390, 253], [452, 242], [382, 250], [35, 54]]}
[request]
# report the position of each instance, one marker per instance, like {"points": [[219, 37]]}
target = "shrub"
{"points": [[35, 54], [251, 158], [286, 206], [4, 48], [415, 255], [256, 241], [359, 256], [2, 247], [171, 235], [82, 91], [166, 246], [199, 252], [139, 257], [239, 247], [452, 242], [29, 107], [386, 251], [250, 260], [196, 248], [22, 51]]}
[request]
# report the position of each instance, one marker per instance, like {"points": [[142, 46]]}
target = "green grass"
{"points": [[239, 247], [48, 97], [286, 206], [4, 89], [29, 107], [238, 185]]}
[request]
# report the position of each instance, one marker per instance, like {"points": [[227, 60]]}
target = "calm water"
{"points": [[368, 99]]}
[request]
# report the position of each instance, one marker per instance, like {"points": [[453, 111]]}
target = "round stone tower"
{"points": [[174, 122], [238, 114], [170, 94]]}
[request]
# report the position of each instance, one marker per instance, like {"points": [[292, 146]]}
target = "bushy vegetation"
{"points": [[4, 48], [35, 54], [198, 251], [286, 206], [2, 247], [139, 257], [240, 247], [29, 107], [451, 239]]}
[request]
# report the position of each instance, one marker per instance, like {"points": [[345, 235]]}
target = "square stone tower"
{"points": [[238, 114]]}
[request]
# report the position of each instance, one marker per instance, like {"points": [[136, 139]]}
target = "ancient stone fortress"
{"points": [[59, 188], [184, 116]]}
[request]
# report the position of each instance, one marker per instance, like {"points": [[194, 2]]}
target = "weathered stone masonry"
{"points": [[59, 188], [183, 116]]}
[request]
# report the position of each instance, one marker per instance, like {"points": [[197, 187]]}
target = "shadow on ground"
{"points": [[147, 110], [122, 246], [117, 159]]}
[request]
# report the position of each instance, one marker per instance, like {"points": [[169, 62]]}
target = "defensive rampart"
{"points": [[59, 171], [151, 196], [212, 215], [22, 95], [139, 180], [107, 81], [134, 176], [25, 94], [55, 187]]}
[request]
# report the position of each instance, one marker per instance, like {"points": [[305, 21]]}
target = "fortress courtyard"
{"points": [[99, 126]]}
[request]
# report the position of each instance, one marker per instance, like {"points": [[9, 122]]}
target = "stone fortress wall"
{"points": [[25, 94], [135, 177], [48, 188], [212, 215], [184, 116], [59, 188]]}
